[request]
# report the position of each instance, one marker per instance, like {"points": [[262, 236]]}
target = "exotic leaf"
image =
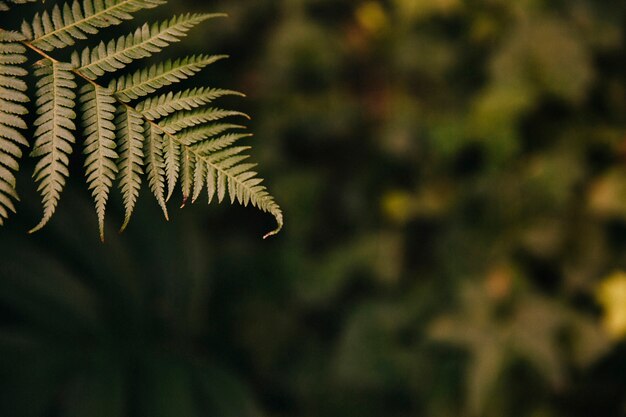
{"points": [[130, 137], [148, 80], [142, 43], [63, 26], [54, 131], [12, 95], [98, 113]]}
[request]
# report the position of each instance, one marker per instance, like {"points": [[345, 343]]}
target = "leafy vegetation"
{"points": [[454, 176], [179, 143]]}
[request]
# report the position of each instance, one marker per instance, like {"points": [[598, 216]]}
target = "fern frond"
{"points": [[12, 95], [155, 166], [183, 120], [142, 43], [98, 114], [63, 26], [147, 81], [174, 138], [165, 104], [130, 138], [54, 126]]}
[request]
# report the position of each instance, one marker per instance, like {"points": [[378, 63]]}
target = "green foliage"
{"points": [[12, 110], [174, 134], [454, 173], [119, 343]]}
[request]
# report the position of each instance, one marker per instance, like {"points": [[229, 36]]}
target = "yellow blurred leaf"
{"points": [[372, 17], [611, 294], [422, 9], [397, 206], [607, 195]]}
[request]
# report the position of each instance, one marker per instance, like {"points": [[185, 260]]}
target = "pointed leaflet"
{"points": [[202, 134], [6, 4], [142, 43], [148, 80], [12, 95], [187, 166], [98, 114], [53, 130], [171, 156], [155, 166], [207, 147], [64, 25], [130, 138], [184, 119], [226, 173], [156, 107], [199, 178]]}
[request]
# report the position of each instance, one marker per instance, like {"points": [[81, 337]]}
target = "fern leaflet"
{"points": [[12, 110], [194, 135], [171, 156], [165, 104], [184, 120], [142, 43], [54, 131], [62, 27], [155, 166], [147, 81], [6, 4], [98, 113], [130, 131]]}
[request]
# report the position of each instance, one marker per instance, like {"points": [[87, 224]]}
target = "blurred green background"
{"points": [[453, 177]]}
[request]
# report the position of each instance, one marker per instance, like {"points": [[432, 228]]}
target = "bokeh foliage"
{"points": [[454, 182]]}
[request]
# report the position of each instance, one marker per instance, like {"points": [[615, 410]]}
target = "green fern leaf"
{"points": [[173, 135], [12, 95], [62, 27], [6, 4], [54, 126], [209, 146], [161, 106], [142, 43], [147, 81], [98, 114], [211, 176], [245, 187], [155, 166], [171, 156], [224, 169], [130, 138], [183, 120], [187, 165], [202, 133], [8, 36], [199, 178]]}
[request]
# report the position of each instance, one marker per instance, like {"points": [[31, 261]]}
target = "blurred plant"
{"points": [[455, 190], [611, 294], [113, 330], [499, 324]]}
